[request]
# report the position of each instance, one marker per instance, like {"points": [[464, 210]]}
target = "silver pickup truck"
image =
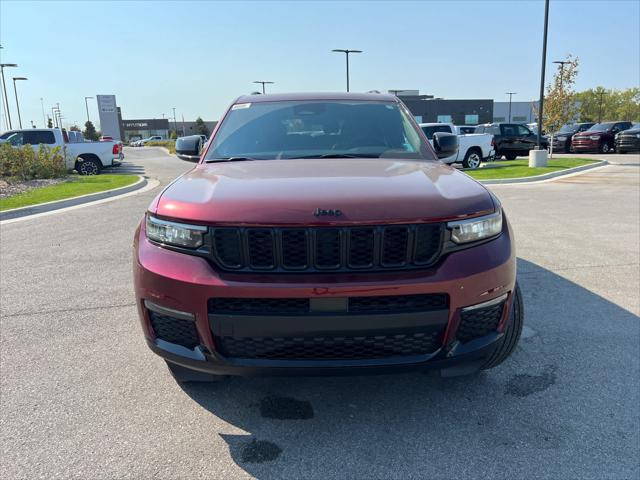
{"points": [[87, 158]]}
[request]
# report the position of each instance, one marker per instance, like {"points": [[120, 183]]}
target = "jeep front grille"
{"points": [[367, 248]]}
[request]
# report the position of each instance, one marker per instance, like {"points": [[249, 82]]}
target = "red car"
{"points": [[599, 138], [320, 234]]}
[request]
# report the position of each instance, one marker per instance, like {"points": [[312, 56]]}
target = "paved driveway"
{"points": [[82, 397]]}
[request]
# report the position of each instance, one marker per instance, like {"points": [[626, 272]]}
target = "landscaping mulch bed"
{"points": [[8, 189]]}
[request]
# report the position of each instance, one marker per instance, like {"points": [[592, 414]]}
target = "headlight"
{"points": [[474, 229], [594, 137], [172, 233], [637, 135]]}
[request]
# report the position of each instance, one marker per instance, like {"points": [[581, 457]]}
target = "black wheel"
{"points": [[186, 375], [88, 166], [605, 147], [511, 334], [472, 159], [511, 156]]}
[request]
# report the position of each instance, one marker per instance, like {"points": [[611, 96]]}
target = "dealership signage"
{"points": [[108, 111]]}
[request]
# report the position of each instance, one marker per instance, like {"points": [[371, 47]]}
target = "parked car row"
{"points": [[141, 143], [599, 138], [511, 139]]}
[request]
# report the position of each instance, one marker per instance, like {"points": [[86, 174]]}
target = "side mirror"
{"points": [[445, 144], [189, 148]]}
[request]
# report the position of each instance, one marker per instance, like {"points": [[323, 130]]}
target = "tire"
{"points": [[88, 166], [186, 375], [472, 159], [605, 147], [511, 335], [511, 156]]}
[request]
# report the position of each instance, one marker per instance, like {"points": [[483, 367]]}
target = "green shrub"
{"points": [[25, 163], [168, 144]]}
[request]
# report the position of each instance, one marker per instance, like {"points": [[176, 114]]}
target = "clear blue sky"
{"points": [[198, 56]]}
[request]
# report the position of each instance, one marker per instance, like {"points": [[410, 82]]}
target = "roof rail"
{"points": [[255, 93], [373, 91]]}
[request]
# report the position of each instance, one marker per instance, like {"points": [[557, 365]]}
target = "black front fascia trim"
{"points": [[231, 325]]}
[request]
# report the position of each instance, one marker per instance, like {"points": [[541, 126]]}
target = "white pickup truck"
{"points": [[474, 147], [87, 158]]}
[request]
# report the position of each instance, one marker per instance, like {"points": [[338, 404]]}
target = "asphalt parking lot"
{"points": [[83, 397]]}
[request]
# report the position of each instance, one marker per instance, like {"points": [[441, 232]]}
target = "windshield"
{"points": [[311, 129], [601, 127], [569, 129]]}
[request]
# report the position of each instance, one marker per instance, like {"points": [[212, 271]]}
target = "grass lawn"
{"points": [[520, 168], [168, 144], [77, 186]]}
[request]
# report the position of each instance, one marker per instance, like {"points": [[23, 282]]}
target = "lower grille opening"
{"points": [[174, 330], [479, 322], [330, 348]]}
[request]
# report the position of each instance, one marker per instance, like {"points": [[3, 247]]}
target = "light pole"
{"points": [[263, 83], [562, 64], [511, 94], [601, 93], [544, 61], [44, 119], [346, 51], [15, 91], [86, 105], [4, 88], [175, 122]]}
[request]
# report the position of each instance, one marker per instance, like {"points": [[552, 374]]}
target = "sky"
{"points": [[199, 56]]}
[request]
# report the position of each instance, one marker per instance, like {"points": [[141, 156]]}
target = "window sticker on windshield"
{"points": [[238, 106]]}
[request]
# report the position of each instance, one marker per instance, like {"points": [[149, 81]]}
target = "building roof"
{"points": [[283, 97]]}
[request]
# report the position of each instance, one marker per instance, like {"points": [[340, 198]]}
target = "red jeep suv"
{"points": [[319, 234]]}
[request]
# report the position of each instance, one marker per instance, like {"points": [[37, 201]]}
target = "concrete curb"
{"points": [[71, 202], [546, 176]]}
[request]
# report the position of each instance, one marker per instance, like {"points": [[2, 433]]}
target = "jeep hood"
{"points": [[288, 192]]}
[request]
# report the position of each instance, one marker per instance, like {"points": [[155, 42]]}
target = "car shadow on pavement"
{"points": [[128, 169], [554, 401]]}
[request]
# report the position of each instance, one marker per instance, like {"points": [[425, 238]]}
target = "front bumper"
{"points": [[585, 145], [628, 144], [185, 283]]}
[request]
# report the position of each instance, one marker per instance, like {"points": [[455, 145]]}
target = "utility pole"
{"points": [[511, 94], [263, 83], [15, 91], [346, 51], [4, 88], [87, 107]]}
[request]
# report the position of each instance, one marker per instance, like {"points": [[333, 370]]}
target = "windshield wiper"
{"points": [[229, 159], [341, 155]]}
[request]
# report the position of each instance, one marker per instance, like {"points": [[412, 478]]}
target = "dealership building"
{"points": [[148, 127], [427, 109]]}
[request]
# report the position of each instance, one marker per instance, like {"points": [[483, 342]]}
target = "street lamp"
{"points": [[601, 93], [15, 91], [44, 120], [4, 87], [544, 61], [511, 94], [263, 83], [175, 122], [346, 52], [86, 105], [561, 63]]}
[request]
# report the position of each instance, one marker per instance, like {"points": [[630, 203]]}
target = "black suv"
{"points": [[511, 139], [562, 139]]}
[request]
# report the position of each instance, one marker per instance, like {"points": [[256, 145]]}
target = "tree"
{"points": [[559, 102], [74, 128], [90, 131], [201, 127], [599, 104], [49, 122], [173, 135]]}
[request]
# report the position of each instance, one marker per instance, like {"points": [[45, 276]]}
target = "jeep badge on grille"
{"points": [[321, 212]]}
